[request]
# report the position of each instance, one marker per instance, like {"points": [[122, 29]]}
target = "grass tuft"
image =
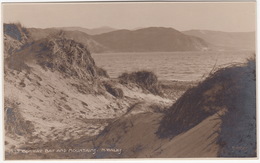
{"points": [[145, 79]]}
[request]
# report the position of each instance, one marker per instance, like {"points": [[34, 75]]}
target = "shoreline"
{"points": [[175, 89], [154, 52]]}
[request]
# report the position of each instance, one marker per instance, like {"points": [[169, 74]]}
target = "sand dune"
{"points": [[60, 110]]}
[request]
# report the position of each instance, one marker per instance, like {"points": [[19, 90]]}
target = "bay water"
{"points": [[181, 66]]}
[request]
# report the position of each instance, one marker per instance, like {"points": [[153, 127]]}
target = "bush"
{"points": [[145, 79], [13, 30], [116, 92], [102, 72], [15, 124]]}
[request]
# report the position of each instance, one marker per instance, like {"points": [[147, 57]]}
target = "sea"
{"points": [[177, 66]]}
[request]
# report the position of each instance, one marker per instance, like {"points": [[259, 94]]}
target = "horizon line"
{"points": [[130, 29]]}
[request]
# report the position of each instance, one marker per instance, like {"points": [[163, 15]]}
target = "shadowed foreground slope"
{"points": [[230, 90]]}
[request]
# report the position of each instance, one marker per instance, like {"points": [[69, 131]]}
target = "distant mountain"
{"points": [[149, 40], [226, 40], [93, 31]]}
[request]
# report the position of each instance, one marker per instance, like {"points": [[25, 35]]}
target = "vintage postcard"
{"points": [[112, 80]]}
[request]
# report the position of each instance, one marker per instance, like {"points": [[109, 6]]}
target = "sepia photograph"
{"points": [[128, 80]]}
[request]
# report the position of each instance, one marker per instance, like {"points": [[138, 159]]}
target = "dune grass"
{"points": [[147, 80], [102, 72], [15, 125], [110, 88]]}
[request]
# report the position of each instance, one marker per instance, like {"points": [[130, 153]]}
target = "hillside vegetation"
{"points": [[145, 79]]}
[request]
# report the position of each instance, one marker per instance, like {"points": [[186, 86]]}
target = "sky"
{"points": [[218, 16]]}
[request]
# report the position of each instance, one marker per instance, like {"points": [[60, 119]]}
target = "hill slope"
{"points": [[150, 39], [226, 40], [93, 31]]}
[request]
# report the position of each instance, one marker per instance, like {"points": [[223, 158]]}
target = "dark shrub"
{"points": [[116, 92], [13, 30], [15, 124], [145, 79], [102, 72]]}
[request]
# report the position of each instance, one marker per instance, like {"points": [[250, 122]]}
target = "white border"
{"points": [[127, 0]]}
